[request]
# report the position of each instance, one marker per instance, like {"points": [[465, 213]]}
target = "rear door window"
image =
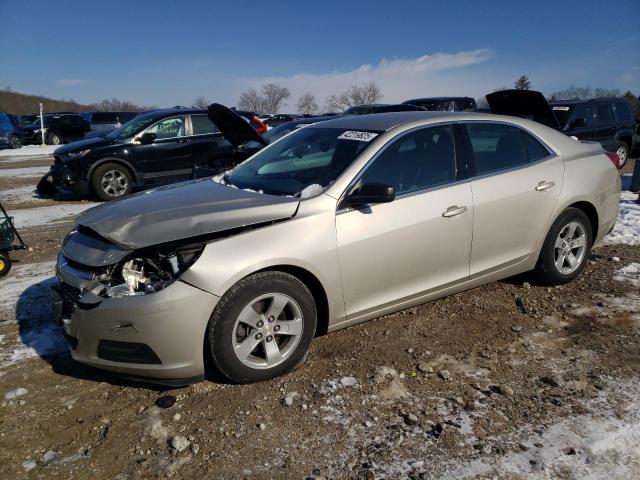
{"points": [[201, 125], [604, 114], [496, 147]]}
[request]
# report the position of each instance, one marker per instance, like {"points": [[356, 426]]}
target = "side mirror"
{"points": [[147, 138], [578, 123], [370, 193]]}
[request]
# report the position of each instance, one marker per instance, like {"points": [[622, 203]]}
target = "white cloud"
{"points": [[69, 82], [398, 78]]}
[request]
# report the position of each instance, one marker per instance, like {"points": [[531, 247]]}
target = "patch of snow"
{"points": [[25, 172], [13, 394], [311, 191], [629, 274], [28, 151], [19, 195], [627, 228], [33, 217]]}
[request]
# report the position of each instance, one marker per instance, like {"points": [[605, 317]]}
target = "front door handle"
{"points": [[454, 211], [542, 186]]}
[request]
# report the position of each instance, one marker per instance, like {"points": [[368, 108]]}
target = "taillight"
{"points": [[615, 159]]}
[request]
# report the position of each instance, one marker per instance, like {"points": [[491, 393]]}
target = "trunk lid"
{"points": [[232, 126], [528, 104]]}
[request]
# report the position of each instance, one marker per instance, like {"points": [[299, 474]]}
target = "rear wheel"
{"points": [[5, 264], [623, 153], [566, 249], [14, 142], [262, 327], [111, 181]]}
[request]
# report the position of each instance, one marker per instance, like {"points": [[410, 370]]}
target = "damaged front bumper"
{"points": [[63, 178], [158, 337]]}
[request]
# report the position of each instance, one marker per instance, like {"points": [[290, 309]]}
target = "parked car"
{"points": [[280, 118], [445, 104], [380, 108], [107, 120], [11, 135], [24, 120], [58, 129], [154, 148], [609, 121], [337, 223]]}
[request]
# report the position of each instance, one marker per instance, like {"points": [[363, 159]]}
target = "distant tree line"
{"points": [[22, 104]]}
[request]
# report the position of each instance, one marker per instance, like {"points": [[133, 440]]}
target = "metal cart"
{"points": [[8, 234]]}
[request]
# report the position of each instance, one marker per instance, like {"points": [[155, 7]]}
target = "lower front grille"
{"points": [[70, 297]]}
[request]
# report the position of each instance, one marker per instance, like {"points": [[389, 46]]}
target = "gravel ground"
{"points": [[509, 380]]}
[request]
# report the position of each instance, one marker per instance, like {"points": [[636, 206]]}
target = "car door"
{"points": [[168, 158], [605, 126], [209, 147], [397, 251], [515, 189]]}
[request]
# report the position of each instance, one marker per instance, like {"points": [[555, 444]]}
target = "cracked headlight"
{"points": [[151, 270]]}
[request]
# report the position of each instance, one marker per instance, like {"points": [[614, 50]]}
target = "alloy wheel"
{"points": [[14, 142], [622, 155], [267, 331], [114, 183], [55, 140], [570, 248]]}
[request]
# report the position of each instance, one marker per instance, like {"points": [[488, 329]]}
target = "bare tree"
{"points": [[250, 100], [584, 93], [200, 102], [606, 92], [364, 94], [523, 83], [307, 104], [273, 96]]}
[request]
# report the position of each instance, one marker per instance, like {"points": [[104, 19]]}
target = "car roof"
{"points": [[386, 121], [435, 99], [576, 101]]}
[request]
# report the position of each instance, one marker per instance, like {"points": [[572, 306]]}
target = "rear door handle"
{"points": [[542, 186], [454, 211]]}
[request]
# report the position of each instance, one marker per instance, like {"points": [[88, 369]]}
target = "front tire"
{"points": [[54, 139], [14, 142], [111, 181], [566, 249], [622, 150], [261, 328]]}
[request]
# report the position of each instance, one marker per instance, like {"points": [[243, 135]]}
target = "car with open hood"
{"points": [[154, 148], [609, 121], [333, 224]]}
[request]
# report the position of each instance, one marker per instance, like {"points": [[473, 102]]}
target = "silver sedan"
{"points": [[334, 224]]}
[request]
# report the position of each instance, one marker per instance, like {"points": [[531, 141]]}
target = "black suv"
{"points": [[154, 148], [445, 104], [107, 120], [58, 129], [609, 121]]}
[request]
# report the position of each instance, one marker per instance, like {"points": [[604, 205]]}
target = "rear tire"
{"points": [[54, 139], [111, 181], [273, 315], [14, 142], [565, 251], [5, 264], [622, 149]]}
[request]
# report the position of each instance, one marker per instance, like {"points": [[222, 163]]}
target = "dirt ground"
{"points": [[509, 380]]}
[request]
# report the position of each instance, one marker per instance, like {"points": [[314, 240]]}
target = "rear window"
{"points": [[622, 112]]}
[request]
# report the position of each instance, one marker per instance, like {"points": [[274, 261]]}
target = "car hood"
{"points": [[181, 211], [232, 126], [81, 145], [523, 103]]}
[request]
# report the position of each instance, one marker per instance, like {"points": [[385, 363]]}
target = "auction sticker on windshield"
{"points": [[562, 109], [359, 136]]}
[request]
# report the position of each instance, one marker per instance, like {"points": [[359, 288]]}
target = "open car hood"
{"points": [[523, 103], [182, 211], [232, 126]]}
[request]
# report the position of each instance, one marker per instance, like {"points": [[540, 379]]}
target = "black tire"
{"points": [[14, 142], [546, 270], [220, 331], [54, 139], [5, 264], [622, 149], [121, 187]]}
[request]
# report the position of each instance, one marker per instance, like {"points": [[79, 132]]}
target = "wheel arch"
{"points": [[592, 214], [120, 161]]}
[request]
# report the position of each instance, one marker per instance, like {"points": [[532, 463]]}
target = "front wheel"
{"points": [[262, 327], [5, 264], [54, 139], [566, 249], [623, 153], [14, 142], [111, 181]]}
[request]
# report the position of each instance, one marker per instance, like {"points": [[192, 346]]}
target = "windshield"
{"points": [[562, 113], [309, 156], [132, 127]]}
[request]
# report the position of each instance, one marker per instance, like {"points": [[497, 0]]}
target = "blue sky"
{"points": [[167, 53]]}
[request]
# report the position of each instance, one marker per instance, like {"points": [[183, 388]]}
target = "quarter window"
{"points": [[168, 128], [418, 160], [496, 147], [535, 150], [201, 125]]}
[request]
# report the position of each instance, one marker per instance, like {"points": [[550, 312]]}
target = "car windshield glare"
{"points": [[309, 156], [132, 127]]}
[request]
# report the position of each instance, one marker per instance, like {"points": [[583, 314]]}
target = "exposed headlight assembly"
{"points": [[76, 155], [151, 270]]}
